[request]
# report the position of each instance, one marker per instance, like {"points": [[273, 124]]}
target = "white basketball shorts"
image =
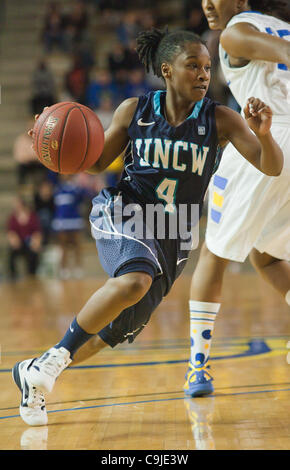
{"points": [[248, 209]]}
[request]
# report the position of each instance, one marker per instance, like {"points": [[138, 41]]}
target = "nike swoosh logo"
{"points": [[180, 261], [26, 393], [71, 329], [141, 123]]}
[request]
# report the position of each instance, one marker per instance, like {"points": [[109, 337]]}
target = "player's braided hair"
{"points": [[157, 46], [279, 7]]}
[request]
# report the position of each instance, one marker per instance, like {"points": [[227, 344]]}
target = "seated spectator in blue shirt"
{"points": [[44, 207], [101, 85], [68, 223], [128, 28], [137, 84]]}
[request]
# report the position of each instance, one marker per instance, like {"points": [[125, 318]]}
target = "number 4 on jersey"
{"points": [[166, 191]]}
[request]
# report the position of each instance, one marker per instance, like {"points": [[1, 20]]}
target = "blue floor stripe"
{"points": [[255, 348], [164, 344], [154, 401]]}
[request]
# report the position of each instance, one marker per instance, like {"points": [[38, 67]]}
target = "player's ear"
{"points": [[166, 70]]}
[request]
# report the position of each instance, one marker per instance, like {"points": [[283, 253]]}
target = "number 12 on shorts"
{"points": [[166, 191]]}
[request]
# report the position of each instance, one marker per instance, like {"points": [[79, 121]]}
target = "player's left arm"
{"points": [[259, 146], [244, 41]]}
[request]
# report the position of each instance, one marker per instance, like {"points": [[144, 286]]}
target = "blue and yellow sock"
{"points": [[202, 318]]}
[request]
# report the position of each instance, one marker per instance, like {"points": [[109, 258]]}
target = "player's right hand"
{"points": [[36, 116]]}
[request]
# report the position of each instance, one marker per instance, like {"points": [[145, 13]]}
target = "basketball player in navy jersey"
{"points": [[173, 141]]}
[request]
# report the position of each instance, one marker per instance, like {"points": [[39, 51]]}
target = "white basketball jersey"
{"points": [[265, 80]]}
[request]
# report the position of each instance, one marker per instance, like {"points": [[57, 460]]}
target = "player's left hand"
{"points": [[258, 116]]}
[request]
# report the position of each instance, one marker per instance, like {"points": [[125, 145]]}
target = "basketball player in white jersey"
{"points": [[248, 213]]}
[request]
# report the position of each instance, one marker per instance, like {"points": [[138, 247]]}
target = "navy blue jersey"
{"points": [[163, 164], [166, 164]]}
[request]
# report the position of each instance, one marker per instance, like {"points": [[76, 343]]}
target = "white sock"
{"points": [[287, 297], [202, 318]]}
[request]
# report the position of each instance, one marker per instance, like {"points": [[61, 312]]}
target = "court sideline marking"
{"points": [[153, 401]]}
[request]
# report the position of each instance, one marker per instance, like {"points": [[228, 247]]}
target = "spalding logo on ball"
{"points": [[68, 138]]}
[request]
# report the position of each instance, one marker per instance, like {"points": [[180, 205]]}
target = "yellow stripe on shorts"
{"points": [[218, 200]]}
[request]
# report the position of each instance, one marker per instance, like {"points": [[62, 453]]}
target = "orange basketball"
{"points": [[68, 138]]}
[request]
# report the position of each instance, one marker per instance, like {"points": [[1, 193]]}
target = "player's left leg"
{"points": [[204, 304], [274, 271]]}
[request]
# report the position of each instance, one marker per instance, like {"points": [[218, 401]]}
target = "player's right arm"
{"points": [[116, 136], [244, 42]]}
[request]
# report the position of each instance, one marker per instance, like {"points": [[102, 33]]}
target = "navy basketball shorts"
{"points": [[122, 251]]}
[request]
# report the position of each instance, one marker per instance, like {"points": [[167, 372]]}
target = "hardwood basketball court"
{"points": [[131, 397]]}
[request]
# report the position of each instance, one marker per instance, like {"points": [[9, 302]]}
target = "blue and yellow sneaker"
{"points": [[198, 380]]}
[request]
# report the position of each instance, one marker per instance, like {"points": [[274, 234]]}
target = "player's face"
{"points": [[191, 72], [219, 12]]}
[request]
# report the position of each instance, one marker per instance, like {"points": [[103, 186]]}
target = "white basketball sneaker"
{"points": [[32, 407], [45, 369]]}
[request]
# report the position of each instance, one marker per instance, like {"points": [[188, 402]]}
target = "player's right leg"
{"points": [[131, 264], [35, 376], [32, 407], [89, 349], [277, 273]]}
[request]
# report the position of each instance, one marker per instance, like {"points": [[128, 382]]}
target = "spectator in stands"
{"points": [[76, 80], [101, 85], [53, 29], [137, 84], [75, 25], [44, 208], [68, 224], [108, 5], [118, 59], [128, 28], [112, 174], [120, 83], [43, 88], [154, 82], [132, 60], [86, 49], [105, 110], [24, 238], [110, 10], [146, 19], [195, 21], [91, 185], [29, 168]]}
